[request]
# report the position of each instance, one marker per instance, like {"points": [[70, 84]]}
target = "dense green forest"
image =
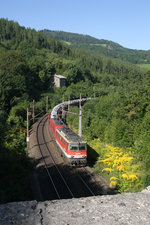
{"points": [[118, 116], [101, 47]]}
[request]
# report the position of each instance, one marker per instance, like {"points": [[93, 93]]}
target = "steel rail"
{"points": [[55, 163], [50, 177], [89, 189]]}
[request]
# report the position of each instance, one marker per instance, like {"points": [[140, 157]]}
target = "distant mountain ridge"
{"points": [[78, 38], [101, 47]]}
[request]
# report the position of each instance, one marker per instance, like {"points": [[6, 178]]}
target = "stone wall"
{"points": [[123, 209]]}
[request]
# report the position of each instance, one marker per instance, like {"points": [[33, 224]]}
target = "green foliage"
{"points": [[14, 167], [18, 113], [14, 79], [3, 118], [14, 163], [73, 74]]}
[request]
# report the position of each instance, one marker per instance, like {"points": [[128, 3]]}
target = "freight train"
{"points": [[72, 146]]}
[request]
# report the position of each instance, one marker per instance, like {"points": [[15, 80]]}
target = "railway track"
{"points": [[57, 179]]}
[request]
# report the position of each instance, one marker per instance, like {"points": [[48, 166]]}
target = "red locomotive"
{"points": [[72, 145]]}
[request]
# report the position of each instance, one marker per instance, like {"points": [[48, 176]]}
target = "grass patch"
{"points": [[144, 66], [67, 42], [103, 45]]}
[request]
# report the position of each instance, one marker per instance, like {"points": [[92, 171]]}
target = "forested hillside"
{"points": [[101, 47], [118, 117]]}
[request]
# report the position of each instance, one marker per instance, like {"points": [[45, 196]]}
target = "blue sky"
{"points": [[126, 22]]}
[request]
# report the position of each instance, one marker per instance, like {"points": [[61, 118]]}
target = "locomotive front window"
{"points": [[82, 147], [74, 147]]}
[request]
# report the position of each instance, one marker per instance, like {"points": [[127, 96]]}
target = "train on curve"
{"points": [[72, 146]]}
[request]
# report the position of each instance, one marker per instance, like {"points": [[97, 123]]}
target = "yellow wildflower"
{"points": [[125, 176], [119, 153], [121, 168], [113, 178], [133, 177], [106, 161], [107, 169], [116, 163], [113, 183]]}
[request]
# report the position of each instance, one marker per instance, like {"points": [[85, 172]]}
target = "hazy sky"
{"points": [[126, 22]]}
